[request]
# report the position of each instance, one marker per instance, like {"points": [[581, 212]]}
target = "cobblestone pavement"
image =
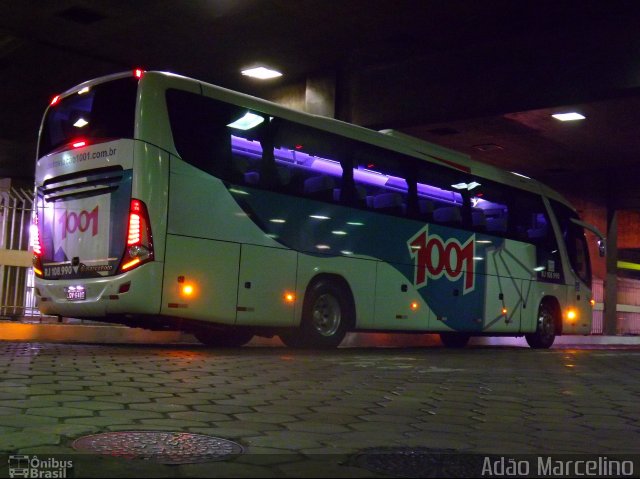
{"points": [[305, 413]]}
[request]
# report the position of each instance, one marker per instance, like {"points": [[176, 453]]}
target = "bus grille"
{"points": [[82, 184]]}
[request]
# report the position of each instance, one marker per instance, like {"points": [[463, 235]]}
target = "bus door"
{"points": [[508, 284], [266, 286]]}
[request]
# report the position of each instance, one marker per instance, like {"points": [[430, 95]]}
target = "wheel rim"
{"points": [[326, 315], [547, 330]]}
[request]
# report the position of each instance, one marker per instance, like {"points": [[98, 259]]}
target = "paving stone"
{"points": [[169, 424], [28, 403], [316, 427], [265, 417], [26, 420], [200, 416], [59, 412], [221, 409], [12, 442], [130, 414], [288, 441], [93, 405]]}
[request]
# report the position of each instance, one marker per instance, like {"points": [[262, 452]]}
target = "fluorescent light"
{"points": [[80, 123], [466, 186], [520, 174], [248, 121], [261, 73], [572, 116], [83, 91], [320, 217]]}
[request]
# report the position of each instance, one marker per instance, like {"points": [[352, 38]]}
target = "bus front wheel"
{"points": [[545, 332], [325, 317], [219, 337]]}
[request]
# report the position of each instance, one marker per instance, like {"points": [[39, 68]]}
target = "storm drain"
{"points": [[160, 447], [418, 462]]}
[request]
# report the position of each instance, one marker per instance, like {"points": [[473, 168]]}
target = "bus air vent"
{"points": [[82, 184]]}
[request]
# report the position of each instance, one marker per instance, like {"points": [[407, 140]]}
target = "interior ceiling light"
{"points": [[261, 73], [248, 121], [572, 116]]}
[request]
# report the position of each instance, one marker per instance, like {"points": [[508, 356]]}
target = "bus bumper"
{"points": [[104, 296]]}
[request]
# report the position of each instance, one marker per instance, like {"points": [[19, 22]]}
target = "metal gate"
{"points": [[16, 276]]}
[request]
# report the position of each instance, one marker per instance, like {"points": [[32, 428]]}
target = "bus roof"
{"points": [[389, 139]]}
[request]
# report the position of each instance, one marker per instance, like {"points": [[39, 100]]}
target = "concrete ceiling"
{"points": [[480, 77]]}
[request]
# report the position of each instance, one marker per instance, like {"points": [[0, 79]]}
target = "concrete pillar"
{"points": [[611, 278], [320, 95]]}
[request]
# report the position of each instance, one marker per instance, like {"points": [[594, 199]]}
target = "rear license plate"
{"points": [[76, 293]]}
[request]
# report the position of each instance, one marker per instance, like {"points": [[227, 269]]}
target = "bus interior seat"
{"points": [[426, 207], [361, 193], [478, 218], [496, 224], [284, 175], [319, 186], [252, 178], [389, 203], [537, 233], [448, 214]]}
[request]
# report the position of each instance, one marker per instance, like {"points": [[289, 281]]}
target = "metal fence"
{"points": [[17, 298], [627, 309]]}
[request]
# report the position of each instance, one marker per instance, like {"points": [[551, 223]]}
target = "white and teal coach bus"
{"points": [[166, 202]]}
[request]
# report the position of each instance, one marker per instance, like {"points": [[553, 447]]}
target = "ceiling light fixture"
{"points": [[572, 116], [261, 73]]}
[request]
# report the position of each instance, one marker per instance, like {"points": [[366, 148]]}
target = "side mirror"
{"points": [[602, 248]]}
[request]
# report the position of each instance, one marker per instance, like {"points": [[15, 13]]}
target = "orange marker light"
{"points": [[414, 306], [504, 311], [188, 290], [289, 297], [592, 303], [571, 314]]}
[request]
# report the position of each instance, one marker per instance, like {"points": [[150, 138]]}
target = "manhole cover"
{"points": [[160, 447], [418, 462]]}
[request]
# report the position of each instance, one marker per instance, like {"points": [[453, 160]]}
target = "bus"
{"points": [[165, 202]]}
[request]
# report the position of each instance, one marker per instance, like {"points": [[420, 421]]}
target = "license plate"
{"points": [[76, 293]]}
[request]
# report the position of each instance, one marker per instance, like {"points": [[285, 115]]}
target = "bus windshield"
{"points": [[101, 112]]}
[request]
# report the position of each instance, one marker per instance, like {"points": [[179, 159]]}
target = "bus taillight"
{"points": [[139, 248], [138, 72]]}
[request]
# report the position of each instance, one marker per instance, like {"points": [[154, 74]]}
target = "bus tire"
{"points": [[454, 340], [545, 332], [223, 337], [326, 314]]}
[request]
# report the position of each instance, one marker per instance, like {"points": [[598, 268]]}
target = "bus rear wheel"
{"points": [[326, 315], [223, 337], [454, 340], [545, 333]]}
